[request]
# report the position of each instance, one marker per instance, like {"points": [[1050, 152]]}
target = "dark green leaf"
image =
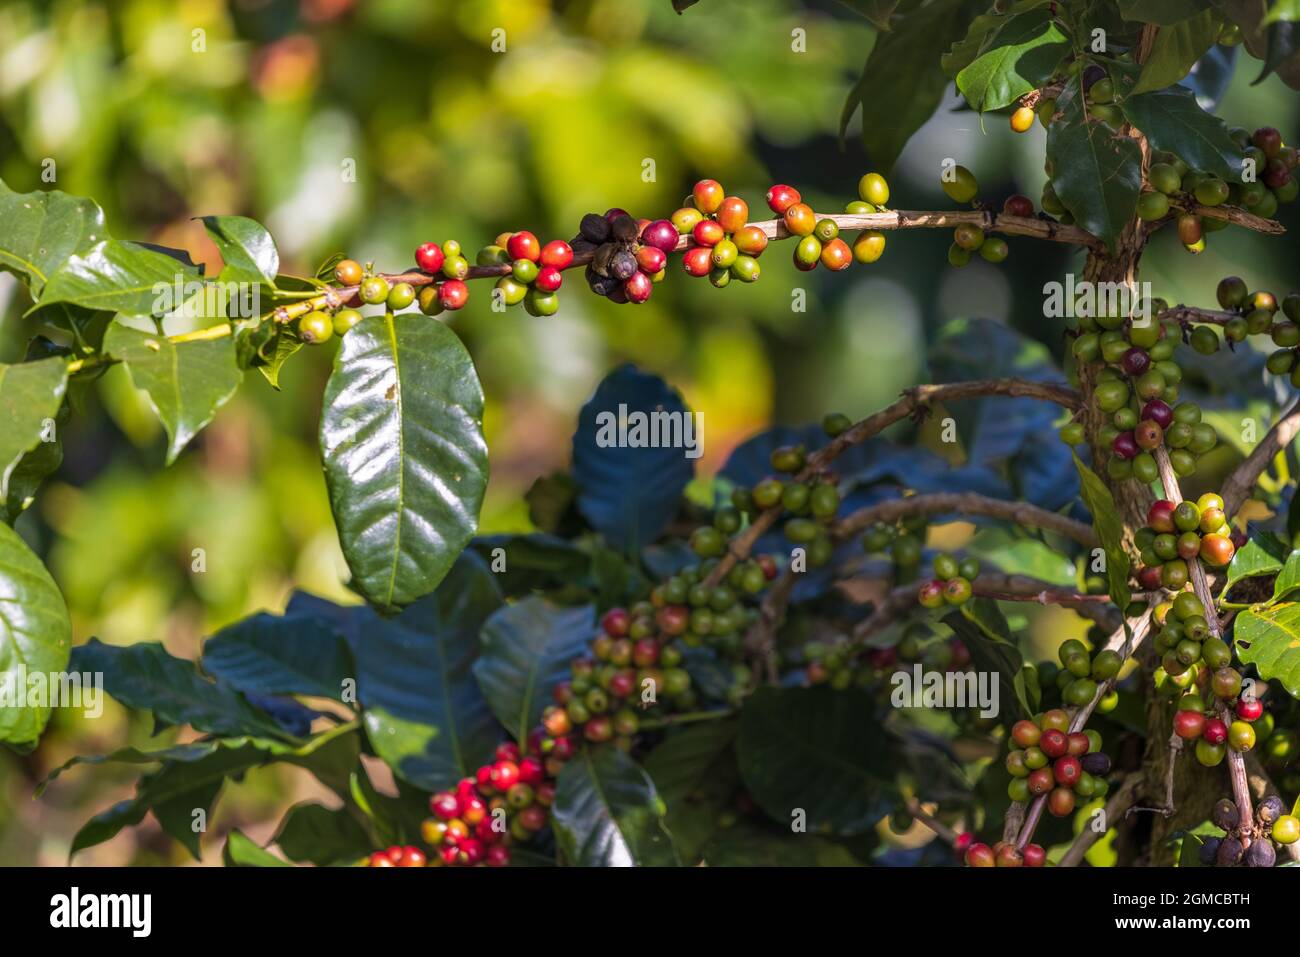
{"points": [[523, 563], [280, 654], [35, 638], [745, 845], [695, 773], [246, 248], [32, 469], [877, 11], [402, 439], [1288, 579], [423, 711], [900, 72], [1172, 120], [607, 814], [1096, 172], [146, 677], [983, 629], [809, 750], [30, 396], [186, 381], [321, 836], [1110, 529], [1269, 639], [1022, 56], [1176, 50], [1161, 12], [527, 648]]}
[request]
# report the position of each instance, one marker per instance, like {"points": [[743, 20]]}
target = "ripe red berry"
{"points": [[1054, 743], [446, 806], [708, 232], [1161, 515], [1067, 770], [1149, 577], [616, 622], [781, 197], [1135, 361], [651, 259], [1125, 445], [733, 213], [1018, 205], [1077, 744], [1040, 781], [1216, 732], [498, 855], [453, 294], [698, 260], [1217, 550], [980, 855], [1025, 733], [1034, 855], [962, 843], [548, 279], [1159, 413], [558, 254], [622, 683], [1060, 802], [505, 774], [379, 859], [638, 287], [660, 234], [429, 257], [1249, 709], [530, 771], [506, 751], [524, 245], [1189, 725]]}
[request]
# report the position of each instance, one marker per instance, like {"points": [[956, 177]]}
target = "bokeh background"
{"points": [[450, 138]]}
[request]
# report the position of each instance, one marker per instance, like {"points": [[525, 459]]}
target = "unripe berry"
{"points": [[349, 272]]}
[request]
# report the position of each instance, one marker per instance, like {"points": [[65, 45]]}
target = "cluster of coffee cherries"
{"points": [[820, 242], [960, 185], [1047, 758], [1180, 532], [903, 542], [812, 503], [1001, 854], [842, 663], [725, 246], [399, 855], [1255, 313], [628, 256], [507, 800], [951, 584], [1138, 389], [685, 605], [536, 271], [1254, 848], [1173, 184]]}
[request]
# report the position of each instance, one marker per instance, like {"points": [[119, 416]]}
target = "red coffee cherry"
{"points": [[559, 254], [1216, 732], [524, 245], [781, 197], [429, 257]]}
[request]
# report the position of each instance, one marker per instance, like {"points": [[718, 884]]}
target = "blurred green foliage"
{"points": [[368, 127]]}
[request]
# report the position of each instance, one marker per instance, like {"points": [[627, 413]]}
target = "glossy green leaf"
{"points": [[243, 851], [146, 677], [1176, 50], [26, 478], [1110, 529], [694, 770], [35, 639], [607, 814], [982, 627], [1261, 555], [1097, 173], [527, 648], [1022, 56], [186, 382], [1161, 12], [319, 835], [899, 71], [280, 654], [42, 230], [1172, 120], [806, 755], [405, 461], [123, 277], [1288, 579], [30, 396], [424, 714], [1269, 638], [246, 248]]}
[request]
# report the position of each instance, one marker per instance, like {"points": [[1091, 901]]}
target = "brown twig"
{"points": [[1236, 764], [1116, 807], [913, 400], [965, 503], [1237, 486]]}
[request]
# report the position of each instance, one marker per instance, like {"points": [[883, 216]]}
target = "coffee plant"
{"points": [[777, 663]]}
